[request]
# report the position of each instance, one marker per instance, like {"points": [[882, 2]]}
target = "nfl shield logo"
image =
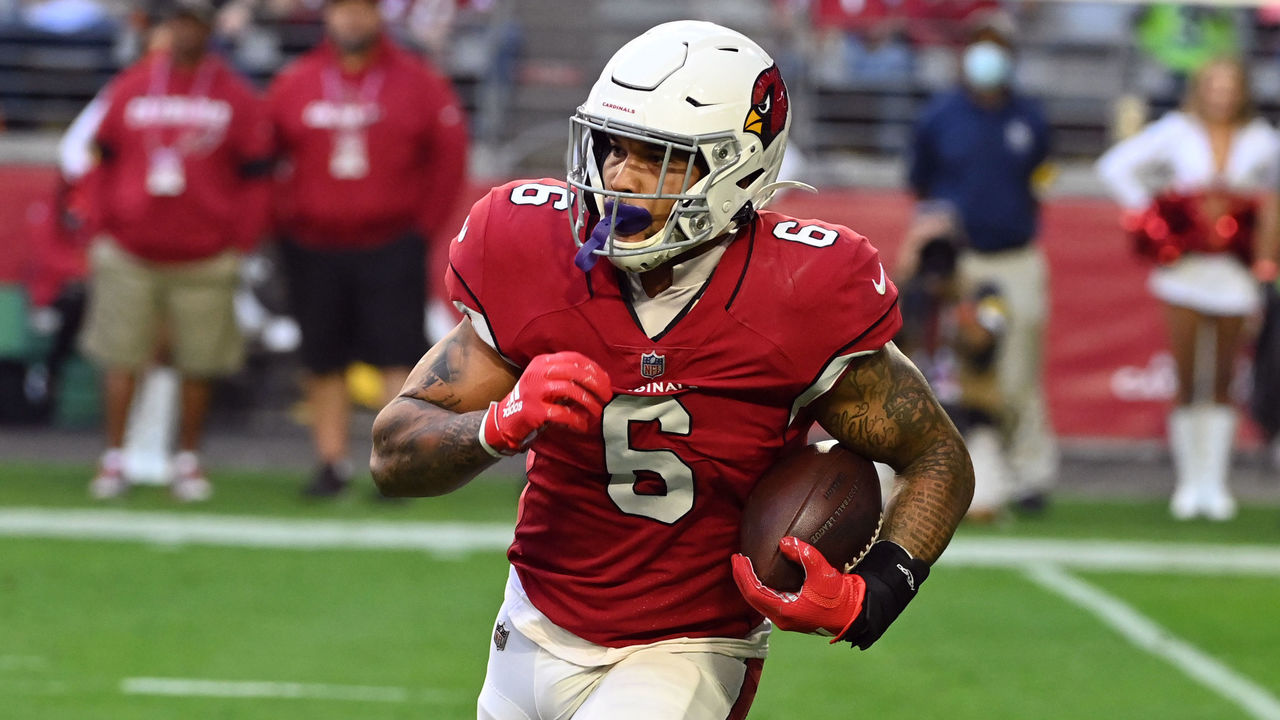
{"points": [[652, 365], [500, 635]]}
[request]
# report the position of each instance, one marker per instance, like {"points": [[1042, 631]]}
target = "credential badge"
{"points": [[652, 365]]}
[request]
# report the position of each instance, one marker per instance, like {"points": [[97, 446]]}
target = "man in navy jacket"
{"points": [[975, 149]]}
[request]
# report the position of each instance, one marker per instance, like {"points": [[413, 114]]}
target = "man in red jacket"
{"points": [[181, 192], [373, 147]]}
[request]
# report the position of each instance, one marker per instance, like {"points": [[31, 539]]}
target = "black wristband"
{"points": [[892, 578]]}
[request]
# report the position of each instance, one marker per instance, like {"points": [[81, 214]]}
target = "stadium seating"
{"points": [[46, 78]]}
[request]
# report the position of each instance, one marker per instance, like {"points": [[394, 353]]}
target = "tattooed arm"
{"points": [[426, 440], [884, 410]]}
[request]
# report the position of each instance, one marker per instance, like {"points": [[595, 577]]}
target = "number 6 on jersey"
{"points": [[625, 462]]}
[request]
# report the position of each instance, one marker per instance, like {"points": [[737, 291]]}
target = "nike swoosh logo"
{"points": [[880, 286]]}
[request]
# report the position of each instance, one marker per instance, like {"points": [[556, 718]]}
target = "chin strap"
{"points": [[765, 194]]}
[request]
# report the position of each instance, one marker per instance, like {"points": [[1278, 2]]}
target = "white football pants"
{"points": [[525, 682]]}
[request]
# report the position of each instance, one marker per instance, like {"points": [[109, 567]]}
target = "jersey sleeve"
{"points": [[512, 262], [465, 276], [841, 305], [866, 316]]}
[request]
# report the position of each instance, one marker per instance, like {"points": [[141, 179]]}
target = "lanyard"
{"points": [[339, 92], [161, 73]]}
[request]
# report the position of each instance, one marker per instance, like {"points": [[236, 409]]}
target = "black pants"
{"points": [[365, 305]]}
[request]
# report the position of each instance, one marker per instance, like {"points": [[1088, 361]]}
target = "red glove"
{"points": [[827, 604], [565, 390], [857, 608]]}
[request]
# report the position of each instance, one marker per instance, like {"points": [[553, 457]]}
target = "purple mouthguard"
{"points": [[629, 221]]}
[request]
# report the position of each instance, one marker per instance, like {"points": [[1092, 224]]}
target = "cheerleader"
{"points": [[1199, 188]]}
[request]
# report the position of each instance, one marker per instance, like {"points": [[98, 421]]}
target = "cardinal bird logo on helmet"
{"points": [[769, 104]]}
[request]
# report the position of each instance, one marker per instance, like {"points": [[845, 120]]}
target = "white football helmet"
{"points": [[693, 89]]}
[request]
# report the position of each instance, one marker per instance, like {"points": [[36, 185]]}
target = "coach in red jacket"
{"points": [[373, 148], [184, 148]]}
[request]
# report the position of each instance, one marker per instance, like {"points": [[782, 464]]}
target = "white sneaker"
{"points": [[1185, 504], [189, 483], [110, 481], [191, 489], [108, 485], [1219, 506]]}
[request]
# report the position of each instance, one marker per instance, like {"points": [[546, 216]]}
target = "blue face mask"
{"points": [[987, 65]]}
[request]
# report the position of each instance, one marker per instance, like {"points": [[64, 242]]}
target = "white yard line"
{"points": [[1147, 635], [169, 528], [206, 688]]}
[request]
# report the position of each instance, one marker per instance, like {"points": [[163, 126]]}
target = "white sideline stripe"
{"points": [[1129, 556], [178, 528], [460, 537], [200, 687], [1144, 633], [23, 662]]}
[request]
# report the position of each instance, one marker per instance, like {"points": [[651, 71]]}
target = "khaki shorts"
{"points": [[133, 301]]}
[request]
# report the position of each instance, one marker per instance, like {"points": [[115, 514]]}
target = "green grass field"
{"points": [[141, 630]]}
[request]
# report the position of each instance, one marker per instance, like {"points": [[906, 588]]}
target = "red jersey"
{"points": [[624, 534], [208, 121], [397, 120]]}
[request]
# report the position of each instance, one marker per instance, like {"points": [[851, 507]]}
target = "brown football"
{"points": [[823, 494]]}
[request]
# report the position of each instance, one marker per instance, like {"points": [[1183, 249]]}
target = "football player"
{"points": [[655, 340]]}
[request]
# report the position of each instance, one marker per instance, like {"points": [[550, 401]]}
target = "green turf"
{"points": [[1083, 517], [96, 613], [78, 617], [980, 645], [1234, 619], [491, 498]]}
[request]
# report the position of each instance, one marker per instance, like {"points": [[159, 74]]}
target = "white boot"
{"points": [[1185, 447], [990, 474], [1218, 429], [153, 419]]}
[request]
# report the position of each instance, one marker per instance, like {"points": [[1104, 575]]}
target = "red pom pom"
{"points": [[1226, 226], [1157, 228]]}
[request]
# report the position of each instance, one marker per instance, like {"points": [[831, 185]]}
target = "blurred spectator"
{"points": [[70, 16], [1195, 185], [977, 147], [182, 147], [424, 24], [1182, 37], [952, 332], [494, 32], [373, 145], [253, 47], [874, 42]]}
